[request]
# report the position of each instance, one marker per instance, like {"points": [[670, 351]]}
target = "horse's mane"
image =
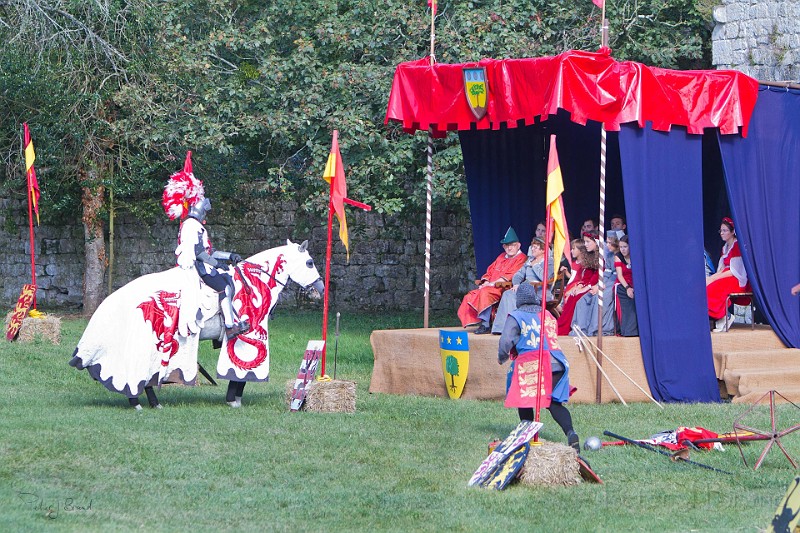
{"points": [[270, 253]]}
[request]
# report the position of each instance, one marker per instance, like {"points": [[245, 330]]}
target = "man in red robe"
{"points": [[476, 307]]}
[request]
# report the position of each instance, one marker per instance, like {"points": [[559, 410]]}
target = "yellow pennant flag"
{"points": [[30, 172], [334, 174], [555, 186]]}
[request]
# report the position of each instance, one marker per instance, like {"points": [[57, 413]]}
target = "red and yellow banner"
{"points": [[30, 172], [20, 311], [555, 186], [334, 174]]}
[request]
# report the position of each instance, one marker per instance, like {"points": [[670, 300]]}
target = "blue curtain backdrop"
{"points": [[662, 176], [763, 181], [506, 173]]}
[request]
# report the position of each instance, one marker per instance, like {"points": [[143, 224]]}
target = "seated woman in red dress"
{"points": [[584, 277], [729, 278], [626, 305]]}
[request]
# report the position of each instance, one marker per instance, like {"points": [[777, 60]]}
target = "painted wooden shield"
{"points": [[509, 469], [477, 90], [308, 369], [20, 311], [454, 347]]}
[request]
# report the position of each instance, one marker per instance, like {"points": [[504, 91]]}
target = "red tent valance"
{"points": [[590, 85]]}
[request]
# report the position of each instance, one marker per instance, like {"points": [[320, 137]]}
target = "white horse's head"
{"points": [[301, 268], [296, 264]]}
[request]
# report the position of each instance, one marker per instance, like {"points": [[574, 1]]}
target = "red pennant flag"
{"points": [[599, 3], [433, 4], [334, 170], [30, 172]]}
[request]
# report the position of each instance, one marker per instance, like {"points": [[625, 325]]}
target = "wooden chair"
{"points": [[556, 285], [740, 298]]}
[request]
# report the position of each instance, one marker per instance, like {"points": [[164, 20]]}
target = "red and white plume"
{"points": [[182, 191]]}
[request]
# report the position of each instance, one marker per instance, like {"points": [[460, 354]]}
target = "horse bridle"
{"points": [[249, 289]]}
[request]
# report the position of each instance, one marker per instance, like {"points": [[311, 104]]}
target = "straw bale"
{"points": [[788, 393], [550, 463], [335, 396], [46, 326]]}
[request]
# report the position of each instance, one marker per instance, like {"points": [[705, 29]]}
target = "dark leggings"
{"points": [[235, 389], [557, 410]]}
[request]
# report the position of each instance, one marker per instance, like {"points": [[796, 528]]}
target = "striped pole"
{"points": [[601, 229], [428, 211], [429, 193]]}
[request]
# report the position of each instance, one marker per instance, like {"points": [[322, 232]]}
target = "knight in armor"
{"points": [[184, 197]]}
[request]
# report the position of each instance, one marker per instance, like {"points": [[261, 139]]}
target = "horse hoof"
{"points": [[138, 407], [235, 404], [157, 406]]}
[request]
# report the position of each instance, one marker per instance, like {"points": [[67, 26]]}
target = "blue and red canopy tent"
{"points": [[684, 149]]}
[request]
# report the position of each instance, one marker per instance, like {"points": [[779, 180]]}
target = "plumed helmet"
{"points": [[182, 192], [528, 295]]}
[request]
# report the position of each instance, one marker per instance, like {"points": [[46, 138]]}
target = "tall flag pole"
{"points": [[601, 229], [32, 186], [334, 175], [556, 227], [429, 185]]}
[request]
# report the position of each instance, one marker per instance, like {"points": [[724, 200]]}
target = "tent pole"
{"points": [[429, 194], [428, 202], [601, 230], [602, 252]]}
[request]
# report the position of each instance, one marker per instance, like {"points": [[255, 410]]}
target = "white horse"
{"points": [[133, 341]]}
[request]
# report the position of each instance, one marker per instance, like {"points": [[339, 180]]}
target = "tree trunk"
{"points": [[94, 248]]}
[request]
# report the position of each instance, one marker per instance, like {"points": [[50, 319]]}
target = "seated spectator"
{"points": [[584, 277], [541, 229], [709, 263], [628, 325], [585, 314], [590, 224], [476, 308], [531, 272], [618, 224], [729, 278], [609, 279]]}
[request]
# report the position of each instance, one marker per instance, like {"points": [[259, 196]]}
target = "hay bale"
{"points": [[550, 463], [335, 396], [45, 326]]}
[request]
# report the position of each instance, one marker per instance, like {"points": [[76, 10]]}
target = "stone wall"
{"points": [[385, 270], [760, 38]]}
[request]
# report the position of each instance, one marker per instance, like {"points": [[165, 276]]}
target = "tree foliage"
{"points": [[256, 88]]}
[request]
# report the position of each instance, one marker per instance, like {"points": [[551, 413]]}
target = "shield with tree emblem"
{"points": [[477, 90], [454, 347]]}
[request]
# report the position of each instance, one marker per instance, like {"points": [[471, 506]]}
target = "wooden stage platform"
{"points": [[408, 361]]}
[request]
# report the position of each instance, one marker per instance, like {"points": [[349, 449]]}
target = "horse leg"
{"points": [[134, 402], [234, 395], [151, 398]]}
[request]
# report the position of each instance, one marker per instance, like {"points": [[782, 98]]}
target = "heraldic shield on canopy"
{"points": [[477, 90]]}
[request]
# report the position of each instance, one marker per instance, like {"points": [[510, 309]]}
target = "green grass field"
{"points": [[74, 457]]}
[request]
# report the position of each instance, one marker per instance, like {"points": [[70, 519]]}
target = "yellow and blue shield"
{"points": [[477, 90], [454, 347]]}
